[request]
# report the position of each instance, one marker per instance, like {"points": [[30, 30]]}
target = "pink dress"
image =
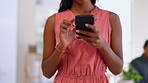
{"points": [[82, 63]]}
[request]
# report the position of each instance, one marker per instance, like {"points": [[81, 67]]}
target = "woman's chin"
{"points": [[81, 1]]}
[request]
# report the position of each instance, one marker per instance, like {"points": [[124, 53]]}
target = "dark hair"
{"points": [[146, 43], [66, 4]]}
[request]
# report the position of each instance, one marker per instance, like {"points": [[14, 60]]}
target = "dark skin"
{"points": [[146, 52], [111, 55]]}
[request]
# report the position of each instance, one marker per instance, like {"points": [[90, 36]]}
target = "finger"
{"points": [[66, 22], [91, 34], [74, 30], [71, 28], [72, 20], [88, 39], [63, 30], [64, 26], [92, 27]]}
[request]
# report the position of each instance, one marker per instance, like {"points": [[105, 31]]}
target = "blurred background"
{"points": [[21, 35]]}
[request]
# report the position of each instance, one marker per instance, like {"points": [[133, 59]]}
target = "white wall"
{"points": [[139, 26], [28, 10], [8, 40], [26, 34]]}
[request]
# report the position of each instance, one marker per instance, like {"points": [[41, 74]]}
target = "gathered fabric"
{"points": [[83, 63]]}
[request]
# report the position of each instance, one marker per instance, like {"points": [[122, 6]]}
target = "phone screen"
{"points": [[81, 20]]}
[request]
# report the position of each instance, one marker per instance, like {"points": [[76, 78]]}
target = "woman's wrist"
{"points": [[100, 43], [102, 46], [60, 46]]}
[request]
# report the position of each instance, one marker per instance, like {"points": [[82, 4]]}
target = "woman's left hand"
{"points": [[95, 38]]}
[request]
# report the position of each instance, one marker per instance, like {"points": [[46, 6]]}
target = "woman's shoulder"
{"points": [[100, 10], [113, 15], [53, 17], [63, 13]]}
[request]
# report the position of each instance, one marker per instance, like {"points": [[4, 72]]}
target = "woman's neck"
{"points": [[84, 8]]}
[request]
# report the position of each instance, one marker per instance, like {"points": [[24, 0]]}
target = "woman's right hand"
{"points": [[67, 33]]}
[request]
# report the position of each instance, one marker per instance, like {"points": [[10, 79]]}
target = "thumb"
{"points": [[74, 30], [72, 20]]}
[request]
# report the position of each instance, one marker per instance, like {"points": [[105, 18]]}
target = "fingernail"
{"points": [[77, 31], [86, 24], [77, 35]]}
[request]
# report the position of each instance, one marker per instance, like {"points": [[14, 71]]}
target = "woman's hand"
{"points": [[67, 33], [95, 38]]}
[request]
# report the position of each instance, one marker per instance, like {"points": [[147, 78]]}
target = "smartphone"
{"points": [[81, 20]]}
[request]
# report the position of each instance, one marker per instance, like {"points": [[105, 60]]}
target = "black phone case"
{"points": [[81, 20]]}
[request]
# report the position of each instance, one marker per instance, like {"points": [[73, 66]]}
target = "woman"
{"points": [[82, 60]]}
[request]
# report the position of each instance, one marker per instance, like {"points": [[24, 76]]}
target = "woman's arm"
{"points": [[51, 57], [111, 55]]}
